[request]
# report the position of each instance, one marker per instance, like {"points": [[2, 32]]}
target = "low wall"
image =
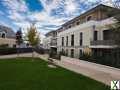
{"points": [[91, 65]]}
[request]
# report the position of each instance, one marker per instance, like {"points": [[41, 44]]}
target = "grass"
{"points": [[25, 74]]}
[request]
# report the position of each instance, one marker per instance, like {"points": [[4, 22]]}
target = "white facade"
{"points": [[87, 29], [46, 42]]}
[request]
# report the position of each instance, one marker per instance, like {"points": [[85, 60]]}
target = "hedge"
{"points": [[6, 51]]}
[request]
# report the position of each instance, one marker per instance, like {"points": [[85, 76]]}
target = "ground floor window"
{"points": [[72, 53], [80, 52], [66, 52]]}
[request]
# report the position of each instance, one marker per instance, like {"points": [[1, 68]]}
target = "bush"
{"points": [[39, 50], [6, 51], [105, 60]]}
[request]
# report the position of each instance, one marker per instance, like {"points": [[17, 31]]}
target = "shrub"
{"points": [[6, 51], [109, 60]]}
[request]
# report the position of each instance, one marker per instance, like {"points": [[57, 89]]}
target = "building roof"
{"points": [[9, 32], [100, 6], [49, 33]]}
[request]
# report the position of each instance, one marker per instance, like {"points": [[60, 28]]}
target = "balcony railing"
{"points": [[103, 42], [53, 44]]}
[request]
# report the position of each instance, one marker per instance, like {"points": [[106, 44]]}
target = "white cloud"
{"points": [[70, 9], [16, 5]]}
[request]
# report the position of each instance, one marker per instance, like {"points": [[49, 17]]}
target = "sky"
{"points": [[47, 15]]}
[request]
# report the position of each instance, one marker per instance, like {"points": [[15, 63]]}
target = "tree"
{"points": [[33, 37], [19, 39]]}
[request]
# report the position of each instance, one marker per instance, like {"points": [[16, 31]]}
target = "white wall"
{"points": [[87, 30]]}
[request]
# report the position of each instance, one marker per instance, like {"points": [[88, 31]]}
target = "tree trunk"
{"points": [[18, 50], [32, 54]]}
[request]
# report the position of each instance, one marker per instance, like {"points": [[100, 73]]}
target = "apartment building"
{"points": [[50, 41], [89, 32], [7, 36]]}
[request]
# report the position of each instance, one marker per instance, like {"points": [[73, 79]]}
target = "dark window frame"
{"points": [[72, 53], [62, 41], [72, 40], [81, 38], [66, 40]]}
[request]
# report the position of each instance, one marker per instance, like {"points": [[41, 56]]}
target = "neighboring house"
{"points": [[50, 41], [89, 32], [7, 36]]}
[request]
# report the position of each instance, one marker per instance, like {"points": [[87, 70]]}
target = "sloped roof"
{"points": [[9, 32]]}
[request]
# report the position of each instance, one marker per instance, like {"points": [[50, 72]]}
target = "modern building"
{"points": [[7, 36], [50, 41], [89, 32]]}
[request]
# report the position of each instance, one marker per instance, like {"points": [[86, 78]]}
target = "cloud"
{"points": [[15, 5], [53, 15]]}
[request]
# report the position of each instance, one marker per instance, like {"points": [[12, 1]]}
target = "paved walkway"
{"points": [[98, 72], [94, 72]]}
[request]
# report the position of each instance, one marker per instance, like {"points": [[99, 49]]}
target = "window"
{"points": [[72, 53], [78, 23], [89, 18], [107, 34], [69, 26], [3, 35], [81, 39], [66, 52], [95, 35], [62, 41], [66, 40], [72, 40], [80, 53]]}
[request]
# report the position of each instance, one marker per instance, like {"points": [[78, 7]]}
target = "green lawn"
{"points": [[24, 74]]}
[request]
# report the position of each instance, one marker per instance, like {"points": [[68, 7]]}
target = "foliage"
{"points": [[39, 50], [6, 51], [33, 36], [113, 60], [19, 39]]}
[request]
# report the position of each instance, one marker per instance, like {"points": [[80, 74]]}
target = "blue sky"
{"points": [[47, 14]]}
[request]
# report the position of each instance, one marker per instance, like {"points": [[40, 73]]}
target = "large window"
{"points": [[66, 52], [66, 40], [78, 23], [72, 40], [62, 41], [89, 18], [72, 53], [3, 35], [95, 35], [107, 35], [80, 53], [81, 39]]}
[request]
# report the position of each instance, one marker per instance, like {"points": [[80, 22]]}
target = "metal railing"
{"points": [[103, 42]]}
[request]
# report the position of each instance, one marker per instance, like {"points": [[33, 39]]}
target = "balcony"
{"points": [[103, 42], [53, 44]]}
